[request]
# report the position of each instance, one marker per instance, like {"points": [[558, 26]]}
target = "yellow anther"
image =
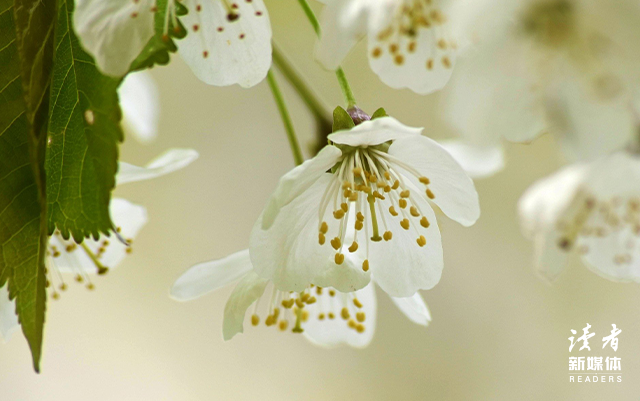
{"points": [[79, 278], [360, 216], [446, 62], [387, 175], [319, 290], [430, 194], [332, 293], [283, 325], [91, 287], [346, 193], [70, 247], [56, 254], [339, 258], [360, 317], [331, 316], [299, 303], [359, 225], [405, 193], [321, 316], [387, 188], [414, 211], [387, 235], [106, 243], [63, 287], [392, 210], [353, 196], [255, 319], [129, 250], [395, 185], [373, 179], [424, 222], [269, 321], [352, 323], [55, 295], [357, 171], [365, 265], [311, 301], [425, 180], [360, 328], [305, 296], [402, 203], [324, 227], [346, 185], [378, 195], [405, 224], [422, 241], [357, 302], [353, 247], [344, 206], [338, 214], [345, 313], [288, 303], [304, 316], [336, 243], [276, 314], [321, 238]]}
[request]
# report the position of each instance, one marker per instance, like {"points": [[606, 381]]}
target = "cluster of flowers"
{"points": [[360, 212]]}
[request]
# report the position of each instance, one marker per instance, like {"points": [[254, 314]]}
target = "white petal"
{"points": [[298, 180], [331, 333], [401, 267], [454, 191], [289, 252], [222, 52], [374, 132], [114, 32], [140, 103], [209, 276], [615, 256], [477, 161], [414, 308], [8, 318], [343, 24], [422, 62], [549, 259], [248, 290], [168, 162], [129, 217]]}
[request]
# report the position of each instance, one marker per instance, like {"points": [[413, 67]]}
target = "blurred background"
{"points": [[498, 332]]}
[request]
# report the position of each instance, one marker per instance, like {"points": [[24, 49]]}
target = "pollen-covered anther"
{"points": [[339, 258], [360, 328], [424, 222], [422, 241], [392, 210], [321, 239], [430, 194], [425, 180], [402, 203], [365, 265], [352, 324], [357, 303], [360, 317], [405, 224], [283, 324], [338, 214], [359, 225], [414, 211], [344, 313], [405, 194], [255, 320], [387, 235], [336, 243], [353, 247]]}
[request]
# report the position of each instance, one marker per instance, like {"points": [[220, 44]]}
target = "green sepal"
{"points": [[342, 120], [379, 113]]}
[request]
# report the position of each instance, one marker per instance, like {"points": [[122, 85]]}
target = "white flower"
{"points": [[593, 208], [384, 173], [477, 161], [410, 45], [140, 103], [98, 256], [568, 67], [227, 42], [326, 317]]}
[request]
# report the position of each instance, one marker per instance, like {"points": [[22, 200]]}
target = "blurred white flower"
{"points": [[410, 45], [477, 161], [227, 43], [568, 67], [99, 255], [383, 173], [326, 317], [140, 103], [593, 208]]}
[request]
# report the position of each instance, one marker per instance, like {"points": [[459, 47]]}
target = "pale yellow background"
{"points": [[498, 332]]}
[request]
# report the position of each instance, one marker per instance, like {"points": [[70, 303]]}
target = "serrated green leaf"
{"points": [[84, 131], [26, 48], [158, 49], [379, 113], [342, 120]]}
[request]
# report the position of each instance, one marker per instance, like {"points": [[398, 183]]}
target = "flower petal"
{"points": [[289, 252], [209, 276], [422, 60], [139, 100], [130, 218], [248, 290], [224, 48], [343, 24], [8, 319], [477, 161], [168, 162], [374, 132], [454, 191], [549, 259], [114, 32], [615, 256], [414, 308], [401, 267], [335, 332], [298, 180]]}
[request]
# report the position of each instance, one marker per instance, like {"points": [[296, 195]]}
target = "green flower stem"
{"points": [[286, 118], [306, 93], [342, 79]]}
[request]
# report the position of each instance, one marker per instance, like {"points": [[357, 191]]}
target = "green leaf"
{"points": [[84, 131], [161, 44], [379, 113], [26, 49], [342, 120]]}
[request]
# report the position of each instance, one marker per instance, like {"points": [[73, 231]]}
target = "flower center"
{"points": [[324, 304], [399, 38], [368, 183], [598, 219], [550, 22]]}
